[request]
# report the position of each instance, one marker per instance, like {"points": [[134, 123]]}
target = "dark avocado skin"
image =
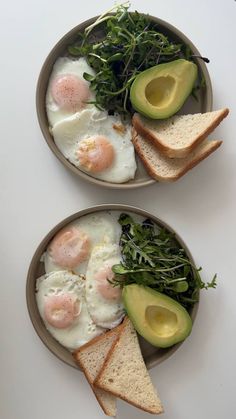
{"points": [[160, 91], [161, 320]]}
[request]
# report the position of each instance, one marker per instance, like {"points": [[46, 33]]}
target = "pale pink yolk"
{"points": [[69, 247], [95, 153], [104, 287], [61, 310], [70, 92]]}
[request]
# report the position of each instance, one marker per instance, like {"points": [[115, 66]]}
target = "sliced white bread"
{"points": [[176, 137], [90, 357], [165, 169], [124, 373]]}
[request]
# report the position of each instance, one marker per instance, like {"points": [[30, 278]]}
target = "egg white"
{"points": [[105, 313], [83, 328], [100, 227], [64, 65], [69, 132]]}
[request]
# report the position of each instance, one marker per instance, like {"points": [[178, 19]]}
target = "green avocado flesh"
{"points": [[160, 91], [158, 318]]}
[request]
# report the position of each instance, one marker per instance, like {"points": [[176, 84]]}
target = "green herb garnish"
{"points": [[128, 44], [155, 259]]}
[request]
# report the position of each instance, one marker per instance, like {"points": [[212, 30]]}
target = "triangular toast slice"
{"points": [[178, 136], [90, 358], [124, 373], [165, 169]]}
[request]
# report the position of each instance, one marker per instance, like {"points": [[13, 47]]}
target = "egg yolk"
{"points": [[95, 154], [104, 287], [70, 92], [61, 310], [69, 247]]}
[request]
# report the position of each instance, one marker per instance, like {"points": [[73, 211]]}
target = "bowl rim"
{"points": [[42, 332], [40, 107]]}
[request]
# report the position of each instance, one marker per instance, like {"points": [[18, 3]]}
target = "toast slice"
{"points": [[178, 136], [165, 169], [90, 357], [124, 373]]}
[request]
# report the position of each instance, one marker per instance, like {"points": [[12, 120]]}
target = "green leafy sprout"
{"points": [[153, 257], [118, 46]]}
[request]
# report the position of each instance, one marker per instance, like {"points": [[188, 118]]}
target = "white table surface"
{"points": [[198, 381]]}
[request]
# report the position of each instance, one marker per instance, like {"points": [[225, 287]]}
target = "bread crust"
{"points": [[87, 345], [99, 384], [176, 153], [190, 165], [118, 395], [122, 326], [96, 340]]}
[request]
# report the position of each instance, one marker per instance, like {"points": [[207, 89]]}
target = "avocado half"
{"points": [[160, 91], [161, 320]]}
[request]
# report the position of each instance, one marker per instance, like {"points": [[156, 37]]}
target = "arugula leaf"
{"points": [[129, 44], [153, 257]]}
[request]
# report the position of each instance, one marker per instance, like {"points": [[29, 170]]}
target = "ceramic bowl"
{"points": [[204, 103], [151, 354]]}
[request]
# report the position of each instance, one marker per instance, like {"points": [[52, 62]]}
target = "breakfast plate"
{"points": [[142, 178], [152, 355]]}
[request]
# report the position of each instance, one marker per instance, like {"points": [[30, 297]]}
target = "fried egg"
{"points": [[71, 247], [103, 300], [98, 144], [61, 303], [68, 92]]}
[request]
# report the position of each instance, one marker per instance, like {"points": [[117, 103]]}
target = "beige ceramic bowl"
{"points": [[152, 355], [204, 104]]}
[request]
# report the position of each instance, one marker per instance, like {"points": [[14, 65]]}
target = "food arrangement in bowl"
{"points": [[108, 95], [114, 290]]}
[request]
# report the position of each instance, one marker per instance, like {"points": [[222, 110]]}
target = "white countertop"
{"points": [[198, 381]]}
